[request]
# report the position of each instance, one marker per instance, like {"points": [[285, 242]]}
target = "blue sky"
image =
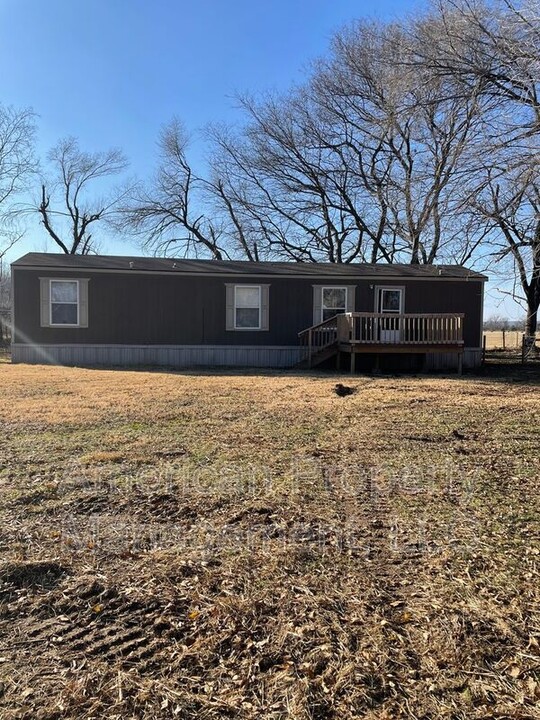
{"points": [[112, 72]]}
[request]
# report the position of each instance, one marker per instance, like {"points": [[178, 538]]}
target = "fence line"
{"points": [[504, 339]]}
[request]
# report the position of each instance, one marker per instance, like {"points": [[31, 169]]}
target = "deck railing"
{"points": [[402, 329], [383, 329]]}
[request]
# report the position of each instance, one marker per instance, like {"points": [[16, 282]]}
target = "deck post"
{"points": [[309, 348], [353, 361], [460, 363], [338, 360]]}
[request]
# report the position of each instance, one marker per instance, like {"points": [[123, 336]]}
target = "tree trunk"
{"points": [[531, 324]]}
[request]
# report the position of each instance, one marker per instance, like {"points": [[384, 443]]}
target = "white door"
{"points": [[390, 304]]}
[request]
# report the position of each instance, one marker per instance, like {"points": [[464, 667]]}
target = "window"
{"points": [[247, 307], [334, 301], [63, 302], [329, 301], [390, 300], [64, 296]]}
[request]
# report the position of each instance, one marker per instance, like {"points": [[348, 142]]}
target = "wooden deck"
{"points": [[381, 334]]}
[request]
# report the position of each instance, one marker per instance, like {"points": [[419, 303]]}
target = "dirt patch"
{"points": [[44, 575], [93, 621]]}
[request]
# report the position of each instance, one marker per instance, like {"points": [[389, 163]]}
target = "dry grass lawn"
{"points": [[179, 545]]}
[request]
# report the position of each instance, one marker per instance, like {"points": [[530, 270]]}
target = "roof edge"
{"points": [[226, 267]]}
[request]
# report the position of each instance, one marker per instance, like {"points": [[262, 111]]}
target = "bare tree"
{"points": [[68, 212], [285, 180], [367, 161], [510, 203], [363, 163], [495, 47], [492, 44], [498, 322], [5, 304], [422, 128], [179, 212], [375, 158], [17, 164]]}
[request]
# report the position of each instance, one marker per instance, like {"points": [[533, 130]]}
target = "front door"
{"points": [[389, 304]]}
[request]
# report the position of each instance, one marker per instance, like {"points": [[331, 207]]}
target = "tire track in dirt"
{"points": [[101, 624]]}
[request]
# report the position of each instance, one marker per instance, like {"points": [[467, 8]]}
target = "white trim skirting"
{"points": [[179, 356], [182, 356], [472, 358]]}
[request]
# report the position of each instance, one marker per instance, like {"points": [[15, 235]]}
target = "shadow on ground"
{"points": [[499, 365]]}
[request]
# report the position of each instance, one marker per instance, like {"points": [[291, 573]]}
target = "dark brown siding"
{"points": [[170, 310]]}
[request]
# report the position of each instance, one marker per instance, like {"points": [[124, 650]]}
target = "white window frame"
{"points": [[250, 287], [333, 287], [378, 294], [64, 280]]}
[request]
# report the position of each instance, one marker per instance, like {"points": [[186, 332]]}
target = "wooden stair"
{"points": [[319, 357], [320, 342]]}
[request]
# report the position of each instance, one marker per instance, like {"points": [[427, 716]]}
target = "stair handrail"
{"points": [[318, 325], [309, 334]]}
